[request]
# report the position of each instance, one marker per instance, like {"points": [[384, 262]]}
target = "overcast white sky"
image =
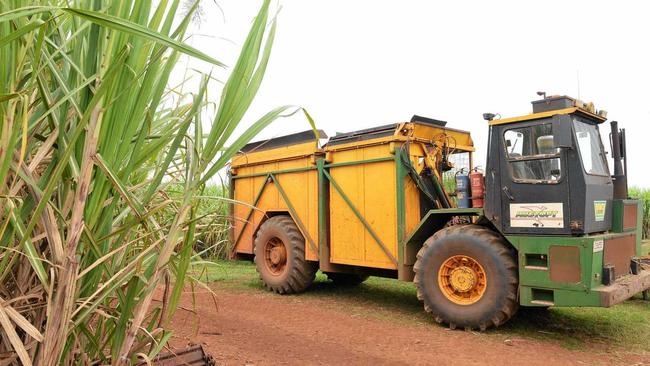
{"points": [[358, 64]]}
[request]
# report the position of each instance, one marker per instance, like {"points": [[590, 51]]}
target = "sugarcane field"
{"points": [[302, 182]]}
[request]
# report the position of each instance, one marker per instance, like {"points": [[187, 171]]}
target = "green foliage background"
{"points": [[643, 194]]}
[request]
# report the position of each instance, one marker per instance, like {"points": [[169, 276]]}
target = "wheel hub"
{"points": [[275, 256], [462, 279], [278, 255]]}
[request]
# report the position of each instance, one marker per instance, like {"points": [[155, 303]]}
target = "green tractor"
{"points": [[556, 228]]}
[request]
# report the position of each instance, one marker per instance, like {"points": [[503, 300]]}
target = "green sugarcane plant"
{"points": [[643, 194], [91, 135]]}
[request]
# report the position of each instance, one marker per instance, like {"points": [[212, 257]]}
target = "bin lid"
{"points": [[293, 139], [380, 131], [365, 134]]}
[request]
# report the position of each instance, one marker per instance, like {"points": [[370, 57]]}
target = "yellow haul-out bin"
{"points": [[355, 200], [268, 178]]}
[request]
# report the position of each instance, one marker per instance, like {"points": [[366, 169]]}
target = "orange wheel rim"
{"points": [[275, 256], [462, 279]]}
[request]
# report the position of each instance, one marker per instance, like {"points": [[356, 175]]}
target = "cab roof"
{"points": [[555, 105]]}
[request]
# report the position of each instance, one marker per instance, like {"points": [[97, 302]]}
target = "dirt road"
{"points": [[257, 328]]}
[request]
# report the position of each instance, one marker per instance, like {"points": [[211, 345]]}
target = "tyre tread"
{"points": [[302, 274], [497, 243]]}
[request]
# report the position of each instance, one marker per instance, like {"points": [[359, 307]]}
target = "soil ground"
{"points": [[375, 325]]}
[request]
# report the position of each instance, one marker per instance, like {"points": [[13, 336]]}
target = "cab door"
{"points": [[534, 187]]}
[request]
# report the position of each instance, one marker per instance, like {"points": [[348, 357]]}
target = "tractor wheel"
{"points": [[346, 279], [466, 276], [280, 256]]}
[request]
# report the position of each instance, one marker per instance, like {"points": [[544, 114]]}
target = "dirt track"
{"points": [[257, 328]]}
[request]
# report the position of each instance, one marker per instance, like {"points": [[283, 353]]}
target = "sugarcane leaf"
{"points": [[245, 138], [14, 339], [27, 28], [115, 58], [25, 12], [120, 186], [236, 86], [6, 97], [22, 322], [160, 344], [123, 25], [31, 253], [185, 257], [312, 124], [58, 170]]}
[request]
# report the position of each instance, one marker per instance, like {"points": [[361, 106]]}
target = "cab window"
{"points": [[531, 154], [590, 147]]}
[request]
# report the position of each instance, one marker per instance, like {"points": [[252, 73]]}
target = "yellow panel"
{"points": [[380, 210], [346, 232], [458, 139], [243, 193], [372, 190]]}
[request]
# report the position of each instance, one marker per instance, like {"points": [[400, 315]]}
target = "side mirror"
{"points": [[562, 132]]}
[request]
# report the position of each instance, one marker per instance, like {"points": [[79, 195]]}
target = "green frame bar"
{"points": [[295, 170], [323, 196], [400, 173]]}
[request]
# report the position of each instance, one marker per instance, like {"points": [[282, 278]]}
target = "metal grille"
{"points": [[629, 216], [619, 252], [564, 263]]}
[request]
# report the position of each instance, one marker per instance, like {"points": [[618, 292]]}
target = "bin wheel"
{"points": [[280, 256], [346, 279], [466, 276]]}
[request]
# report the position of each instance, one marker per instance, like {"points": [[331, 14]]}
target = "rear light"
{"points": [[609, 275], [635, 266]]}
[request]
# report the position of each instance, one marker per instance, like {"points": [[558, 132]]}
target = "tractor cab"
{"points": [[547, 171]]}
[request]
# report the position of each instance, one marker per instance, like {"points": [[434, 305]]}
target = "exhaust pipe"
{"points": [[618, 153]]}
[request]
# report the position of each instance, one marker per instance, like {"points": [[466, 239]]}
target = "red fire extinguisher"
{"points": [[477, 183]]}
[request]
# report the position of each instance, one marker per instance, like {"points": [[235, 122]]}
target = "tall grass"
{"points": [[89, 141], [643, 194], [212, 221]]}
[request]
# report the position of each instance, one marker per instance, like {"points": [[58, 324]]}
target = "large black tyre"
{"points": [[485, 298], [346, 279], [280, 256]]}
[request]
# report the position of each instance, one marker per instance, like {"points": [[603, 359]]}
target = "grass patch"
{"points": [[624, 326]]}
